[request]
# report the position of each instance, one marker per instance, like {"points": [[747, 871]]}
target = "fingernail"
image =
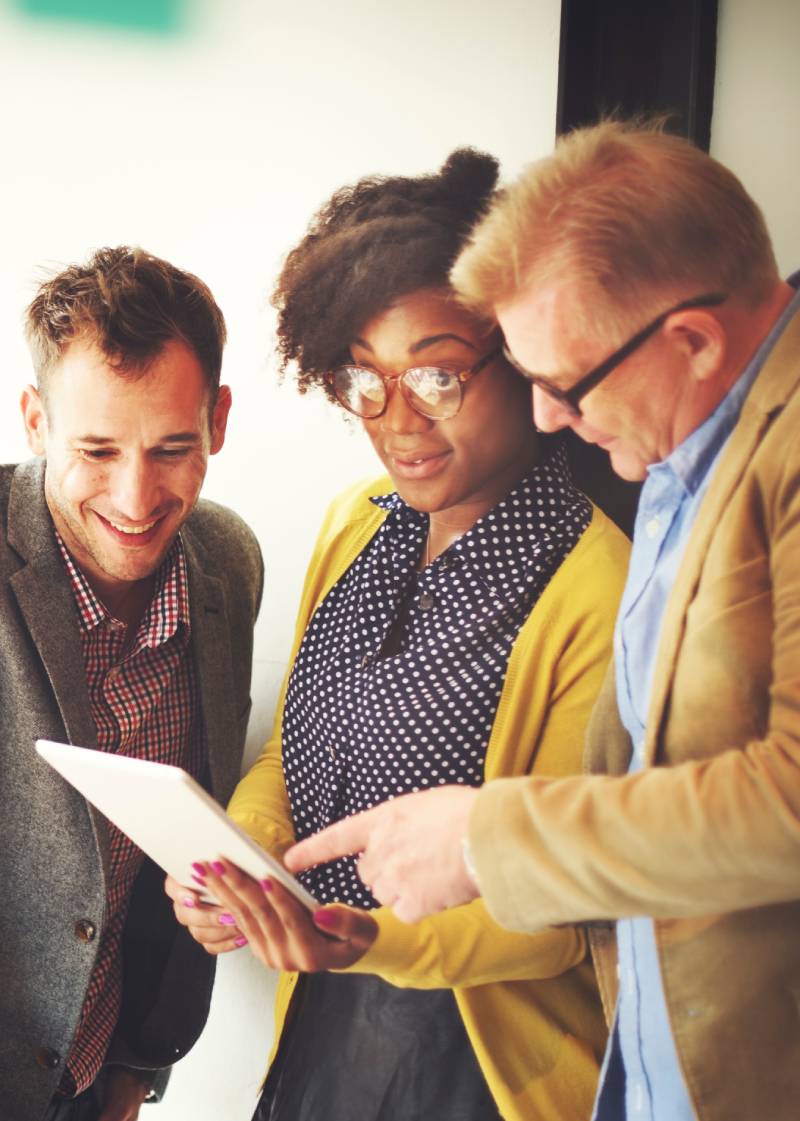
{"points": [[188, 901], [218, 867], [324, 918], [226, 919], [200, 869], [267, 885], [240, 941], [199, 880]]}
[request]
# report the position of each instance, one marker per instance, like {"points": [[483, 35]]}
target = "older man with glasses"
{"points": [[645, 307]]}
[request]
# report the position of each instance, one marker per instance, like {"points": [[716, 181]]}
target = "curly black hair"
{"points": [[372, 242]]}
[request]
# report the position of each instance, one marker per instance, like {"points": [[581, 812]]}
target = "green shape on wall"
{"points": [[143, 15]]}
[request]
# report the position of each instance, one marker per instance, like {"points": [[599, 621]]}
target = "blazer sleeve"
{"points": [[700, 837]]}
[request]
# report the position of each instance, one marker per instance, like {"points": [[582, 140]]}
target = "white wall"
{"points": [[757, 110], [213, 150]]}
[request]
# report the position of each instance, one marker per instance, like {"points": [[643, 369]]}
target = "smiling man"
{"points": [[126, 625], [637, 289]]}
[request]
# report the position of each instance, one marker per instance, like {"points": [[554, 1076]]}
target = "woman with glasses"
{"points": [[455, 626]]}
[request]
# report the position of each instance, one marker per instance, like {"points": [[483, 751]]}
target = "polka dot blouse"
{"points": [[366, 718]]}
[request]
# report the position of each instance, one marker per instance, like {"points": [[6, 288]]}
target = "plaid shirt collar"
{"points": [[169, 607]]}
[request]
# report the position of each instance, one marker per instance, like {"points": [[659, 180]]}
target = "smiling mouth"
{"points": [[419, 467], [134, 534], [132, 530]]}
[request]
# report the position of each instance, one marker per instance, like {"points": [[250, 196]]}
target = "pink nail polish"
{"points": [[200, 869], [188, 901], [218, 867], [324, 918], [267, 885], [240, 941], [226, 919], [199, 880]]}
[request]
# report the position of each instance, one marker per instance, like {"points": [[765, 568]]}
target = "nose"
{"points": [[399, 418], [135, 488], [549, 415]]}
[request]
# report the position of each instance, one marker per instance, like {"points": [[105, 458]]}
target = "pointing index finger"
{"points": [[342, 839]]}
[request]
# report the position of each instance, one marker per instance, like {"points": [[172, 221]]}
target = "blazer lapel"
{"points": [[46, 602], [47, 606], [214, 661], [768, 394]]}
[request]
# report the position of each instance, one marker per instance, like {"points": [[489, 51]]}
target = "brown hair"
{"points": [[622, 211], [371, 243], [130, 304]]}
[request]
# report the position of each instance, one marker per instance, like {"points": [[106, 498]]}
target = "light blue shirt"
{"points": [[652, 1087]]}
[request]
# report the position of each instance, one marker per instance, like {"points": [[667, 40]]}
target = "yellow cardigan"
{"points": [[529, 1002]]}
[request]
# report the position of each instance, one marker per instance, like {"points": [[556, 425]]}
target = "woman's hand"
{"points": [[282, 933], [213, 927]]}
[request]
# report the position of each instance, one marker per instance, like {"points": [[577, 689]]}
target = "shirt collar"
{"points": [[691, 459], [168, 608]]}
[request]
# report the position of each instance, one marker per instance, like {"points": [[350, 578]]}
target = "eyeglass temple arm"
{"points": [[618, 357], [481, 364]]}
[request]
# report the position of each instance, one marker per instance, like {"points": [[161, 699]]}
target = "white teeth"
{"points": [[133, 531]]}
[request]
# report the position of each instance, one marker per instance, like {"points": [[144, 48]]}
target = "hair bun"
{"points": [[469, 177]]}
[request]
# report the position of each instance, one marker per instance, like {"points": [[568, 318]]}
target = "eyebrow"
{"points": [[421, 344], [173, 438]]}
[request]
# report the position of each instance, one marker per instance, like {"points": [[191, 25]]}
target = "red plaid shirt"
{"points": [[145, 704]]}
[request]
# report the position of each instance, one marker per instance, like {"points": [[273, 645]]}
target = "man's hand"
{"points": [[412, 850], [124, 1093]]}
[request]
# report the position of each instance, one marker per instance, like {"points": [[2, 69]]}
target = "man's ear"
{"points": [[701, 339], [219, 418], [34, 417]]}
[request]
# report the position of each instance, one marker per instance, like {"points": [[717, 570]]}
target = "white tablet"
{"points": [[166, 813]]}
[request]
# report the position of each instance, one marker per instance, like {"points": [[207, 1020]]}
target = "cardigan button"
{"points": [[332, 752], [47, 1058], [425, 601]]}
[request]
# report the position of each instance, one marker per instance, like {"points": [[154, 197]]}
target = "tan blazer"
{"points": [[707, 840]]}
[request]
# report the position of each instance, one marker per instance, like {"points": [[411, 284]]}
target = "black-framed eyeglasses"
{"points": [[432, 391], [570, 398]]}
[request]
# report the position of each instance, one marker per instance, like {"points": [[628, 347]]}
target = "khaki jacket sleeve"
{"points": [[718, 828]]}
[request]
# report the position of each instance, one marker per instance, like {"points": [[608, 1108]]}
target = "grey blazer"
{"points": [[53, 845]]}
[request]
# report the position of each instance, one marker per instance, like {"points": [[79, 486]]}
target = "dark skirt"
{"points": [[359, 1049]]}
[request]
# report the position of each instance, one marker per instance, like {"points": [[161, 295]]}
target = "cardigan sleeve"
{"points": [[260, 803]]}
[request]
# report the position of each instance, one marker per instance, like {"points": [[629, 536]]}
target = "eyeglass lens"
{"points": [[433, 392]]}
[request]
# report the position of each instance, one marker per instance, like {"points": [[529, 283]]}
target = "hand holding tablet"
{"points": [[166, 813]]}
